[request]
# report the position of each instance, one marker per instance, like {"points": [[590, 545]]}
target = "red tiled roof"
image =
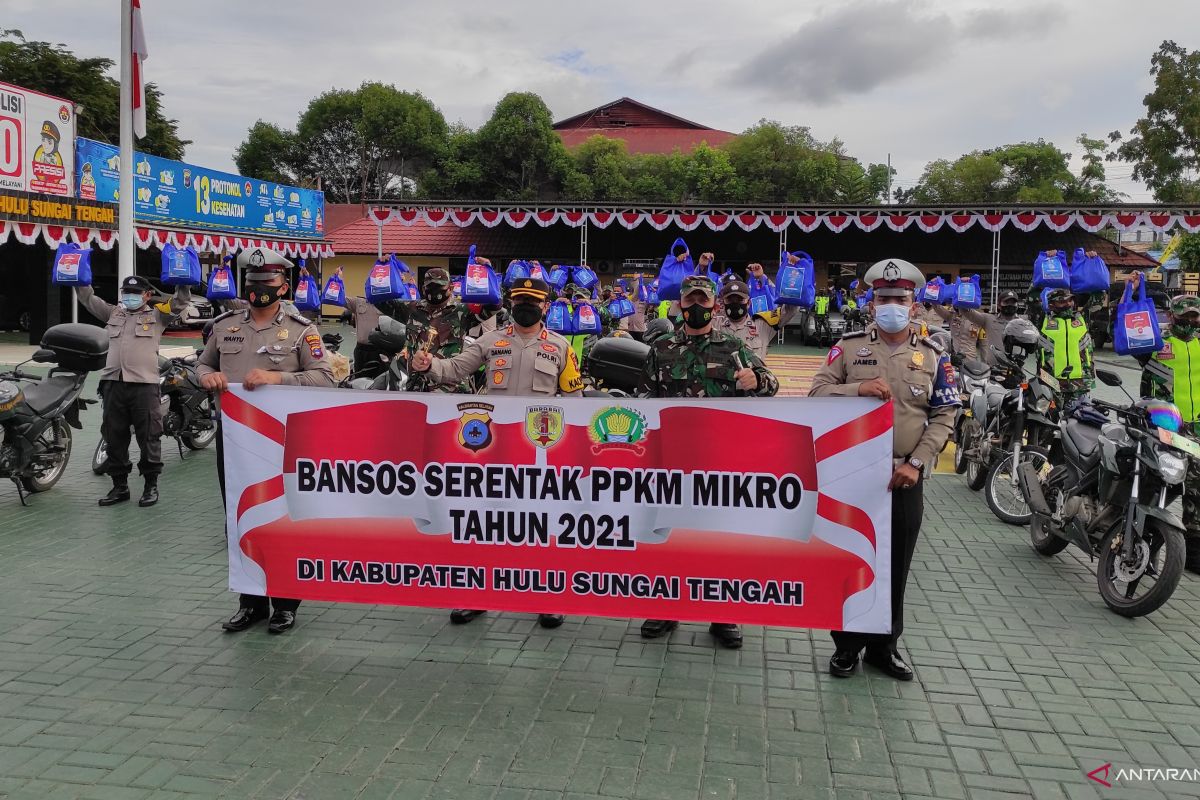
{"points": [[339, 214], [362, 237], [650, 140]]}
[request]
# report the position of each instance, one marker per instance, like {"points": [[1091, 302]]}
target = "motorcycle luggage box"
{"points": [[77, 347], [617, 363]]}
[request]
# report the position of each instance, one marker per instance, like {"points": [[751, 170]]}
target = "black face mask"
{"points": [[436, 295], [526, 314], [697, 316], [1008, 311], [735, 311], [262, 295]]}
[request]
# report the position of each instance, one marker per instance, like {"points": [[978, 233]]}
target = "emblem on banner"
{"points": [[617, 427], [475, 426], [543, 425]]}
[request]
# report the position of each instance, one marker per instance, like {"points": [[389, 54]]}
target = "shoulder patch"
{"points": [[228, 313], [835, 353], [291, 311]]}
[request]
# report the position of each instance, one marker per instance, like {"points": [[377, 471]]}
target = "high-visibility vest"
{"points": [[1067, 341], [822, 305], [851, 305], [1183, 359]]}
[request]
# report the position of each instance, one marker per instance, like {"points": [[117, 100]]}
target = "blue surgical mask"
{"points": [[132, 302], [891, 317]]}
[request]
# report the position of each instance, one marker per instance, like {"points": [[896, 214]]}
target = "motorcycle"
{"points": [[973, 430], [390, 337], [1111, 494], [37, 414], [187, 409]]}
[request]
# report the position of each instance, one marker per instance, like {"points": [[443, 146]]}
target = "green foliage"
{"points": [[1189, 252], [269, 153], [1164, 145], [55, 70]]}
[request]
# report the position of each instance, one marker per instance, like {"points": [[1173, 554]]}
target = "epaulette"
{"points": [[229, 313], [853, 335], [295, 314], [932, 345]]}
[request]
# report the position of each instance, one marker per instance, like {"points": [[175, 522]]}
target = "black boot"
{"points": [[150, 492], [119, 492]]}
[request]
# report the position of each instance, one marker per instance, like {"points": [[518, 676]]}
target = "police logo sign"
{"points": [[475, 426], [543, 425]]}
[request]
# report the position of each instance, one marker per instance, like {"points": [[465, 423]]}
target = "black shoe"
{"points": [[890, 663], [550, 620], [149, 495], [654, 628], [843, 663], [244, 618], [119, 493], [281, 621], [728, 634], [461, 616]]}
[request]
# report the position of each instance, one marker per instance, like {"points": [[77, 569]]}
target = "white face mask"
{"points": [[892, 317]]}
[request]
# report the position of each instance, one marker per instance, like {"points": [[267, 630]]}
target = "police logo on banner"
{"points": [[543, 425], [475, 426]]}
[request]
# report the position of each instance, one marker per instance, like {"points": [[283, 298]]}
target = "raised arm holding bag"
{"points": [[1136, 330]]}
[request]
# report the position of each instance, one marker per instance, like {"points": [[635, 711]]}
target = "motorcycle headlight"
{"points": [[1172, 467], [1042, 405]]}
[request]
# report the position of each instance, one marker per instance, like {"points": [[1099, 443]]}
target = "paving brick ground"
{"points": [[117, 682]]}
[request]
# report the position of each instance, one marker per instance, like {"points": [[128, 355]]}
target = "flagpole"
{"points": [[125, 244]]}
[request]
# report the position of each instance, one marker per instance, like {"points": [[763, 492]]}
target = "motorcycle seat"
{"points": [[976, 369], [1083, 441], [994, 393], [47, 394]]}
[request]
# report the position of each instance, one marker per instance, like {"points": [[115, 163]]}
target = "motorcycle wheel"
{"points": [[1044, 541], [1161, 549], [960, 460], [1003, 496], [200, 439], [57, 434], [975, 472], [100, 458]]}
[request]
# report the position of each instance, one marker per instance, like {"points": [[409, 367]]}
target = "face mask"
{"points": [[1183, 330], [132, 302], [697, 316], [1063, 312], [262, 295], [891, 317], [1008, 311], [435, 297], [526, 314], [735, 311]]}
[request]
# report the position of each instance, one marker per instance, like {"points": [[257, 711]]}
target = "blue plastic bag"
{"points": [[673, 271], [516, 271], [480, 284], [652, 294], [221, 282], [762, 295], [938, 292], [335, 291], [1045, 296], [537, 271], [181, 266], [412, 291], [307, 296], [1088, 274], [1136, 330], [620, 307], [559, 318], [1050, 272], [967, 293], [558, 278], [384, 282], [586, 320], [796, 284], [72, 265], [584, 277]]}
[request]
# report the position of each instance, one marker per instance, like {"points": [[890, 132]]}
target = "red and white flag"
{"points": [[138, 90]]}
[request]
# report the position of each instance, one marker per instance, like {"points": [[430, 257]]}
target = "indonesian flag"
{"points": [[139, 55]]}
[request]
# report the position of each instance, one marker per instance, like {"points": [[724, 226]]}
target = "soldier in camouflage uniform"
{"points": [[439, 324], [698, 361]]}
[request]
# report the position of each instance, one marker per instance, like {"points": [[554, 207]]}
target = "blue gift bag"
{"points": [[584, 277], [1051, 272], [967, 293], [181, 266], [221, 282], [762, 295], [480, 284], [307, 296], [559, 318], [558, 278], [384, 282], [72, 265], [586, 320], [1136, 330], [516, 271], [674, 269], [335, 291], [620, 307], [1088, 274], [796, 284]]}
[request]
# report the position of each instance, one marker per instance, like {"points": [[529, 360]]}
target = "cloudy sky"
{"points": [[915, 78]]}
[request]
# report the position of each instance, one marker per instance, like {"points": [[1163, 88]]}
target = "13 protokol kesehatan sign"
{"points": [[745, 510], [37, 142]]}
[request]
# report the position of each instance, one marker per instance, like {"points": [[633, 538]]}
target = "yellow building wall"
{"points": [[356, 267]]}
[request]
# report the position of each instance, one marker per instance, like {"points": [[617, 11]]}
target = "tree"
{"points": [[55, 70], [1164, 145], [601, 170], [1089, 186], [1189, 252], [520, 155], [269, 153]]}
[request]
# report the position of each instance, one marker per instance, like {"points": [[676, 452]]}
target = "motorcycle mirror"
{"points": [[1108, 378], [43, 356]]}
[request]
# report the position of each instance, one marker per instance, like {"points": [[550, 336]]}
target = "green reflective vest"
{"points": [[1183, 359], [1067, 340], [850, 304], [822, 305]]}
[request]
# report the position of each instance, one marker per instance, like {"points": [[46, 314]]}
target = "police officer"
{"points": [[964, 331], [524, 358], [266, 344], [437, 324], [891, 361], [993, 324], [821, 329], [129, 381], [700, 361], [634, 324], [757, 331], [1067, 347], [365, 315]]}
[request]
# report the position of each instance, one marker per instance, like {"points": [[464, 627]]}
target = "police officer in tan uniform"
{"points": [[892, 361], [524, 358], [635, 324], [735, 318], [129, 381], [964, 331], [264, 345]]}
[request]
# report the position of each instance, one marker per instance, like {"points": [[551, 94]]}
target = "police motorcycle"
{"points": [[973, 430], [37, 413], [390, 338], [1111, 495]]}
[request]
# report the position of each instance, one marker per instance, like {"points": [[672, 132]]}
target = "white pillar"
{"points": [[125, 242]]}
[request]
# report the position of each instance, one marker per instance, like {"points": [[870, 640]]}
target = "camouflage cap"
{"points": [[735, 287], [436, 277], [698, 283]]}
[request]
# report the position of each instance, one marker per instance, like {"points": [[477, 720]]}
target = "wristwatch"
{"points": [[918, 463]]}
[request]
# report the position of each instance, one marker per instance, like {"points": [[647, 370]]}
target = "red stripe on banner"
{"points": [[846, 515], [258, 493], [252, 417], [855, 432]]}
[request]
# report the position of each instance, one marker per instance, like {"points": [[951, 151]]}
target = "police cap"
{"points": [[735, 287], [533, 288], [51, 130], [894, 277], [136, 284], [262, 263]]}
